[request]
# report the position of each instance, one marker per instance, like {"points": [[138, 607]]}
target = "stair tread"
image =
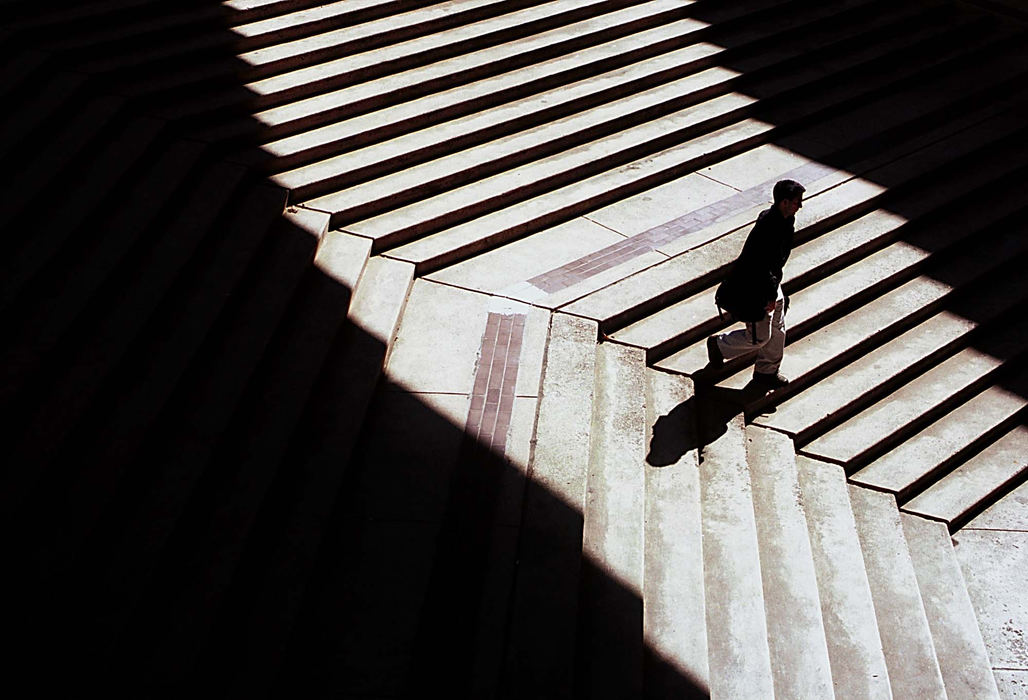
{"points": [[541, 73], [445, 246], [831, 395], [830, 345], [929, 451], [851, 629], [557, 128], [333, 72], [663, 327], [964, 662], [613, 526], [544, 606], [674, 624], [896, 413], [302, 48], [954, 497], [796, 636], [906, 637], [621, 144], [737, 635]]}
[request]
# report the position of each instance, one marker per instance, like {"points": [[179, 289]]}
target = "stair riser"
{"points": [[371, 208], [526, 88]]}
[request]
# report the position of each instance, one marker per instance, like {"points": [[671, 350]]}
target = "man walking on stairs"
{"points": [[752, 292]]}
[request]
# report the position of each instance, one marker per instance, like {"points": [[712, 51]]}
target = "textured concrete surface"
{"points": [[993, 553], [851, 628], [674, 624]]}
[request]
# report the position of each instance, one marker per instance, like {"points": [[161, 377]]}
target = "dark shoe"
{"points": [[770, 381], [714, 356]]}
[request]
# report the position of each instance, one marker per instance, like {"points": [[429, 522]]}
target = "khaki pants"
{"points": [[766, 337]]}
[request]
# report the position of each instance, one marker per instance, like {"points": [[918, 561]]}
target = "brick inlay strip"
{"points": [[492, 398], [632, 247]]}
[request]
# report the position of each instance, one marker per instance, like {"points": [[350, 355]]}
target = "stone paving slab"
{"points": [[851, 629], [995, 567], [438, 342], [906, 638], [963, 660], [1008, 513], [503, 271]]}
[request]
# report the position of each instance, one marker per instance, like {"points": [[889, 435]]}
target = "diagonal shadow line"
{"points": [[178, 512]]}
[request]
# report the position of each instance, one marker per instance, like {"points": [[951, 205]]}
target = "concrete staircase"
{"points": [[222, 210], [756, 572]]}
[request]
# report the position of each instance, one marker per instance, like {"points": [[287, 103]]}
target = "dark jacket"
{"points": [[753, 281]]}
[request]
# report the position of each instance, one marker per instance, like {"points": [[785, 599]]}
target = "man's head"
{"points": [[788, 196]]}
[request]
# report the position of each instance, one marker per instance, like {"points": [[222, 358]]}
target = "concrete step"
{"points": [[955, 284], [870, 377], [435, 208], [545, 601], [674, 619], [712, 246], [851, 630], [334, 419], [902, 621], [125, 549], [463, 240], [974, 485], [611, 608], [914, 464], [335, 59], [877, 251], [964, 662], [564, 82], [572, 113], [796, 634], [53, 402], [283, 55], [920, 400], [349, 88], [737, 632]]}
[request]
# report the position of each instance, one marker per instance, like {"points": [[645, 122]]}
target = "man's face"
{"points": [[791, 206]]}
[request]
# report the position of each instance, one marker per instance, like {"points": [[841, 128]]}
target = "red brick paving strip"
{"points": [[605, 258], [492, 398]]}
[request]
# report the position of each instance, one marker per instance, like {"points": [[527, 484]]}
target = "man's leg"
{"points": [[769, 358], [752, 336]]}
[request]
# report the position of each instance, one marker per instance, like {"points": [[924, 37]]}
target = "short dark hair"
{"points": [[787, 189]]}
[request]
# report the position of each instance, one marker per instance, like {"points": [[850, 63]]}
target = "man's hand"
{"points": [[770, 306]]}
